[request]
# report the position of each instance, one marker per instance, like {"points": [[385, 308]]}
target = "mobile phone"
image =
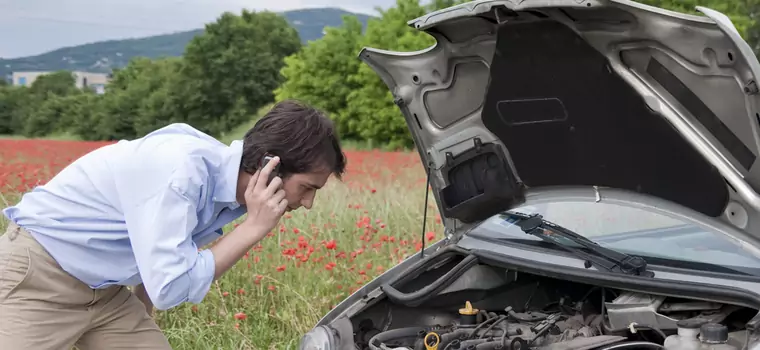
{"points": [[275, 172]]}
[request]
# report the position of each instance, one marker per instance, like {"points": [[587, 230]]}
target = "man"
{"points": [[136, 213]]}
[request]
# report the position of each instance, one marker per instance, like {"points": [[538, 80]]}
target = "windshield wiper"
{"points": [[605, 258]]}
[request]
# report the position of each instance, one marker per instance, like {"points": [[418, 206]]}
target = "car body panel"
{"points": [[634, 97]]}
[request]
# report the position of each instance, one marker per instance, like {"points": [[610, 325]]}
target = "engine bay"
{"points": [[454, 301]]}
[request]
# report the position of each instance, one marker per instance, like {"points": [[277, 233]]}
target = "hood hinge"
{"points": [[751, 88]]}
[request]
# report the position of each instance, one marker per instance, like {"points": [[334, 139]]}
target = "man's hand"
{"points": [[142, 295], [265, 203], [265, 206]]}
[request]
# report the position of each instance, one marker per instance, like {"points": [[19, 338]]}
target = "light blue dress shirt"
{"points": [[137, 212]]}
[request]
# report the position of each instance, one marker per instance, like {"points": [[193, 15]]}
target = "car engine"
{"points": [[455, 305], [635, 324]]}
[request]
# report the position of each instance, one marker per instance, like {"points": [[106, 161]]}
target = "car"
{"points": [[595, 166]]}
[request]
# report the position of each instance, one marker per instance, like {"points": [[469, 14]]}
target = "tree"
{"points": [[14, 103], [235, 64], [162, 105], [318, 73], [370, 111], [85, 111], [60, 83], [36, 115], [61, 113], [136, 102], [6, 110]]}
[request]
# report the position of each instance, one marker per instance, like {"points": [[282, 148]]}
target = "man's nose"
{"points": [[306, 203]]}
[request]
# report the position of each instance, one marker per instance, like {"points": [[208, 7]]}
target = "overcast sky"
{"points": [[30, 27]]}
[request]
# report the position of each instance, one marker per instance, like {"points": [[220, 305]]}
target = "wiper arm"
{"points": [[605, 258]]}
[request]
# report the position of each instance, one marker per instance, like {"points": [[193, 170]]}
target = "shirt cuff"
{"points": [[202, 276]]}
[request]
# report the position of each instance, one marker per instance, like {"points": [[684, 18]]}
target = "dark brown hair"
{"points": [[302, 136]]}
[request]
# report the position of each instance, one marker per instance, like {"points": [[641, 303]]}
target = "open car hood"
{"points": [[542, 93]]}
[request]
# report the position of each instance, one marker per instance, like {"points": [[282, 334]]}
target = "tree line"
{"points": [[243, 62]]}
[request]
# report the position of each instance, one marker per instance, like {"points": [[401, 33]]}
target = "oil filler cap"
{"points": [[468, 314], [713, 333], [468, 310]]}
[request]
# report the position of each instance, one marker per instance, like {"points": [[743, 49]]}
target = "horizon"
{"points": [[37, 34]]}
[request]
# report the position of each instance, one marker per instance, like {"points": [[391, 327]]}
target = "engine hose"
{"points": [[454, 335], [479, 344], [484, 323], [504, 325], [418, 297], [409, 332], [494, 324], [483, 315], [524, 319], [460, 334], [632, 345]]}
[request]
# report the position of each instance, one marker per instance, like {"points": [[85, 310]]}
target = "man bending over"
{"points": [[135, 213]]}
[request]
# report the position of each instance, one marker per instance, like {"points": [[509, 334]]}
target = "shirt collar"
{"points": [[225, 190]]}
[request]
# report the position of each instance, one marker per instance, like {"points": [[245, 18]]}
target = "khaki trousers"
{"points": [[42, 307]]}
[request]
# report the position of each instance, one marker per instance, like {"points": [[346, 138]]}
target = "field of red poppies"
{"points": [[358, 227]]}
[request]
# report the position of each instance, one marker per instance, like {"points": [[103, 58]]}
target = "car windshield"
{"points": [[658, 238]]}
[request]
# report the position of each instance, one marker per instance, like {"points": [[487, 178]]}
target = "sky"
{"points": [[30, 27]]}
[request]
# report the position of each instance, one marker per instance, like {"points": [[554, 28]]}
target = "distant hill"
{"points": [[104, 55]]}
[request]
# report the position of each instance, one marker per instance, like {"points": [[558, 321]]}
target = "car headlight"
{"points": [[319, 338]]}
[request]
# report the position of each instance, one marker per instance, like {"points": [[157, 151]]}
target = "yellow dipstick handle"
{"points": [[436, 341]]}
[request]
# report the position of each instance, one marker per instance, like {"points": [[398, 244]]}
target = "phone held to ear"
{"points": [[275, 172]]}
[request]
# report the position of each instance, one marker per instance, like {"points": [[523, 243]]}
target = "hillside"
{"points": [[104, 55]]}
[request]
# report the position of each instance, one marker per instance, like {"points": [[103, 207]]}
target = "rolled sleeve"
{"points": [[204, 271], [172, 269]]}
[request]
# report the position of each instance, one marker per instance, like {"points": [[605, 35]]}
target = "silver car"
{"points": [[595, 165]]}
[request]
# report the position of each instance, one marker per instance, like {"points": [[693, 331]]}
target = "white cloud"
{"points": [[29, 27]]}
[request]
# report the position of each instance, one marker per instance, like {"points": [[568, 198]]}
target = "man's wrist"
{"points": [[254, 231], [232, 246]]}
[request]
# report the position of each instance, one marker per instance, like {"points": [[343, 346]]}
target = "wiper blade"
{"points": [[608, 259]]}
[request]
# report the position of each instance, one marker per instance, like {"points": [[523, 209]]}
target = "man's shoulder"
{"points": [[182, 130], [177, 151], [176, 142]]}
